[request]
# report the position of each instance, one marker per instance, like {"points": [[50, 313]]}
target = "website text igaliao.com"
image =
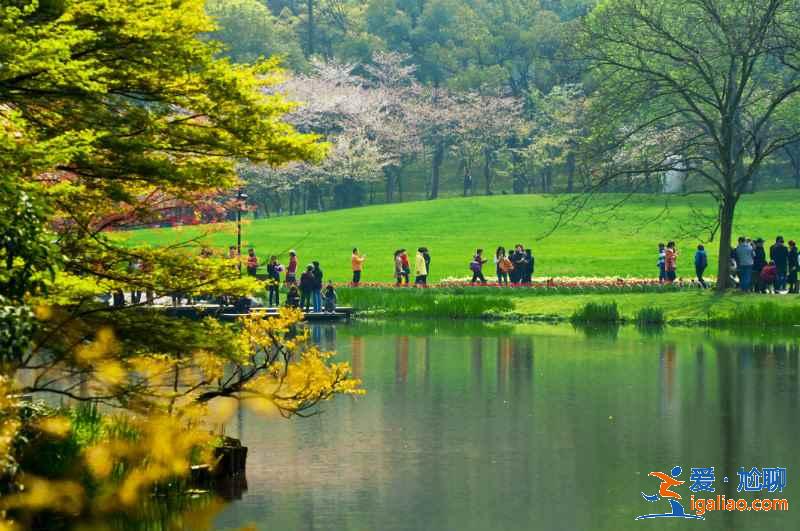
{"points": [[703, 505]]}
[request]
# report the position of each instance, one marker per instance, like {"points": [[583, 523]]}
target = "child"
{"points": [[661, 263], [477, 267], [700, 264], [768, 276], [671, 262], [293, 297], [330, 298]]}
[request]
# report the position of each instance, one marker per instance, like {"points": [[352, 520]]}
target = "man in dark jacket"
{"points": [[306, 287], [759, 261], [779, 254], [520, 261], [529, 270], [316, 294]]}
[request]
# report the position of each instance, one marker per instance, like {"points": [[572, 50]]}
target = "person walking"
{"points": [[477, 267], [794, 265], [420, 269], [274, 270], [291, 269], [662, 263], [744, 257], [700, 264], [306, 287], [671, 262], [316, 293], [252, 262], [759, 262], [357, 263], [779, 254]]}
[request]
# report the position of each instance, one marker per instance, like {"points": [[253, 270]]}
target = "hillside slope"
{"points": [[620, 243]]}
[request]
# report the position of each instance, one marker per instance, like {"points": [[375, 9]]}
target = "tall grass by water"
{"points": [[650, 316], [593, 312], [422, 302], [766, 314]]}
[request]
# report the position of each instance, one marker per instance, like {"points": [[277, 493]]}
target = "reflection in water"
{"points": [[548, 429]]}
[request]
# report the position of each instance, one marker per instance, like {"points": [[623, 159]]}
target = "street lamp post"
{"points": [[240, 197]]}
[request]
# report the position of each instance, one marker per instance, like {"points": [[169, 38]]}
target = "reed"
{"points": [[597, 313]]}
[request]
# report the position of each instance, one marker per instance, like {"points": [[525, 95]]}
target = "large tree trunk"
{"points": [[436, 166], [467, 177], [725, 234], [399, 187], [389, 173], [570, 173]]}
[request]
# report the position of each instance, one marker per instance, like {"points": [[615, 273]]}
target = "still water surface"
{"points": [[493, 427]]}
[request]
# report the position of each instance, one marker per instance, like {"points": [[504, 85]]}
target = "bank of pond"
{"points": [[645, 306]]}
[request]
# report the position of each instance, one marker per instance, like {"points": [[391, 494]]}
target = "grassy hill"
{"points": [[620, 243]]}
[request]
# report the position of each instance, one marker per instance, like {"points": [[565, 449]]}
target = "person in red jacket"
{"points": [[768, 276], [406, 266]]}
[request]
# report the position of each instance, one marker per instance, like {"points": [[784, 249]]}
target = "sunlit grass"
{"points": [[619, 244]]}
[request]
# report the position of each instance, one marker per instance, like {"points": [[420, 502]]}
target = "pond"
{"points": [[471, 426]]}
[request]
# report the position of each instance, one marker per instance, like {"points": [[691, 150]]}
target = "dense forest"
{"points": [[429, 98]]}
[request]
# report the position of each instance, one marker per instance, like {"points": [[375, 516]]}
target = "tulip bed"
{"points": [[556, 285]]}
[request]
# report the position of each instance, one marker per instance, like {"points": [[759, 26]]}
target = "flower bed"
{"points": [[554, 285]]}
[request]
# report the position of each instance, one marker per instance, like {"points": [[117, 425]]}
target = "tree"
{"points": [[484, 123], [558, 127], [107, 105], [250, 32], [718, 80]]}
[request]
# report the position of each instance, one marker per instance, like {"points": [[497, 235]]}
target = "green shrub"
{"points": [[597, 313], [650, 316]]}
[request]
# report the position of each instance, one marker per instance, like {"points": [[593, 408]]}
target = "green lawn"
{"points": [[622, 243]]}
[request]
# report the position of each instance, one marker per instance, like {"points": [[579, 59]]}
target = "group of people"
{"points": [[307, 293], [402, 267], [751, 267], [515, 267], [754, 272]]}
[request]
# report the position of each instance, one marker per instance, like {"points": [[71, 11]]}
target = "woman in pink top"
{"points": [[291, 269], [671, 262]]}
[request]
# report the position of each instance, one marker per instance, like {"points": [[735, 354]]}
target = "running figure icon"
{"points": [[665, 492]]}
